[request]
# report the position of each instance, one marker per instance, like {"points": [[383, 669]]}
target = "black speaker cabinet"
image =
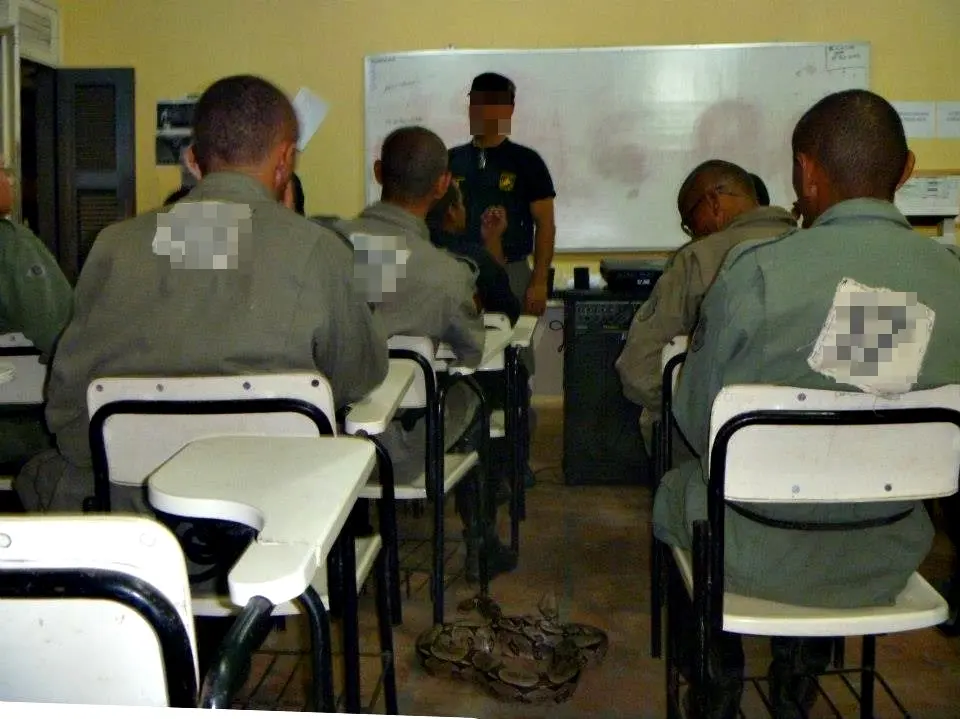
{"points": [[601, 433]]}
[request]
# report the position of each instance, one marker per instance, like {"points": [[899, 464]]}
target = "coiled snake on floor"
{"points": [[524, 659]]}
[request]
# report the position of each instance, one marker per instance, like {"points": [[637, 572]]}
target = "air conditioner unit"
{"points": [[39, 25]]}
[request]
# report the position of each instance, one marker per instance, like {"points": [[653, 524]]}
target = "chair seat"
{"points": [[918, 606], [498, 424], [367, 549], [455, 468]]}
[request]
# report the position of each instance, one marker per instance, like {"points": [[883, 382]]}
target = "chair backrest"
{"points": [[418, 396], [676, 346], [496, 320], [29, 374], [14, 340], [95, 610], [854, 454], [146, 420]]}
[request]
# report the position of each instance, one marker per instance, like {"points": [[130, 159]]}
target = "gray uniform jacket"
{"points": [[433, 298], [287, 304], [35, 297], [36, 300], [674, 304], [758, 324]]}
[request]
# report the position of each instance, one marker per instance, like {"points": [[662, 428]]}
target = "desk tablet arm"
{"points": [[496, 321], [495, 342], [372, 414], [523, 331], [278, 572]]}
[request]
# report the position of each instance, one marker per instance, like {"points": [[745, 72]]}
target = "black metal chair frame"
{"points": [[131, 592], [517, 433], [708, 549], [663, 441], [341, 564], [20, 411], [436, 394]]}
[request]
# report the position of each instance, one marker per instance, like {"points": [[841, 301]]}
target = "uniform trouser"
{"points": [[466, 505], [519, 274], [950, 507], [792, 686], [407, 446], [21, 438]]}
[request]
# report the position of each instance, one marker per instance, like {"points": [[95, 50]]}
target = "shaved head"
{"points": [[857, 139], [713, 174], [412, 161], [239, 121]]}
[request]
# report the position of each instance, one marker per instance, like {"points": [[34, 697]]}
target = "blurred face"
{"points": [[456, 219], [799, 211], [189, 158], [811, 187], [282, 164], [6, 194], [289, 196], [693, 220], [490, 113], [709, 209]]}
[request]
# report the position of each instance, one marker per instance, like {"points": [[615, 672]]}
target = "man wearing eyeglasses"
{"points": [[718, 209]]}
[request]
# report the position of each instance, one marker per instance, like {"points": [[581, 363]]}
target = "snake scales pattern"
{"points": [[525, 659]]}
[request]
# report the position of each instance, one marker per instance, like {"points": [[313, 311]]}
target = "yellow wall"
{"points": [[180, 46]]}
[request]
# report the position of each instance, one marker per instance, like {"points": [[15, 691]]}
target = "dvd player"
{"points": [[631, 275]]}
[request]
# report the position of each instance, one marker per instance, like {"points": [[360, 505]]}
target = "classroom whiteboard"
{"points": [[620, 128]]}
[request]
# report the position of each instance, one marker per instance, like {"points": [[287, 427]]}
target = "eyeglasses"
{"points": [[687, 218]]}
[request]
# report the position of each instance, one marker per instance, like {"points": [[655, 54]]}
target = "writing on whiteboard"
{"points": [[617, 130], [404, 121], [400, 85], [840, 57]]}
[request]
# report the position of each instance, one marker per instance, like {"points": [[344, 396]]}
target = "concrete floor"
{"points": [[590, 547]]}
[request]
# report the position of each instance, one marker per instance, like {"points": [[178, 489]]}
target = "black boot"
{"points": [[720, 699], [500, 558], [793, 674]]}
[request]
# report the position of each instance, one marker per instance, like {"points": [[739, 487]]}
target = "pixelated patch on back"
{"points": [[203, 235], [380, 263], [873, 338]]}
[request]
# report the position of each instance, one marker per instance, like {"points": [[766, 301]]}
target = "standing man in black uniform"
{"points": [[492, 171]]}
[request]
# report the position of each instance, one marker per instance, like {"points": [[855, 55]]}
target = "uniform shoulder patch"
{"points": [[36, 270], [648, 308]]}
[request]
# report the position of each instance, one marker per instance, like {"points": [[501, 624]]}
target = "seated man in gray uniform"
{"points": [[35, 300], [771, 317], [718, 209], [227, 281], [433, 296]]}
